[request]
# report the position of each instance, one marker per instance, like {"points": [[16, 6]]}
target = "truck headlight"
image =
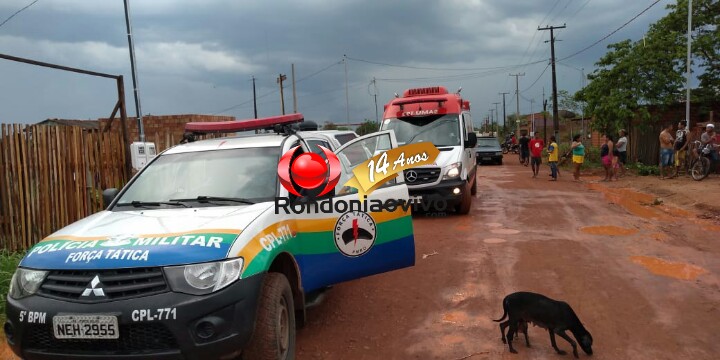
{"points": [[205, 278], [453, 171], [25, 282]]}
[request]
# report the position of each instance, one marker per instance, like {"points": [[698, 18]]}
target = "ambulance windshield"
{"points": [[248, 173], [441, 130]]}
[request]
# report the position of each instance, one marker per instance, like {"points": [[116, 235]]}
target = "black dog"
{"points": [[555, 316]]}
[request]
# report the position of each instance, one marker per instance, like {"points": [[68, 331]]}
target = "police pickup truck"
{"points": [[204, 255]]}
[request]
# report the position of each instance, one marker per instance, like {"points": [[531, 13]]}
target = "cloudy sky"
{"points": [[199, 56]]}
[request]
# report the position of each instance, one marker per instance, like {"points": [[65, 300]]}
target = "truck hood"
{"points": [[448, 155], [143, 238]]}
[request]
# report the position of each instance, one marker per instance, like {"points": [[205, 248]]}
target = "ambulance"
{"points": [[204, 254], [435, 115]]}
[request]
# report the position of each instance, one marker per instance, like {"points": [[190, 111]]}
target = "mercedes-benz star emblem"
{"points": [[411, 176]]}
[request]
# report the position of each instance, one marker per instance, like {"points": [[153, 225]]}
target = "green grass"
{"points": [[8, 263]]}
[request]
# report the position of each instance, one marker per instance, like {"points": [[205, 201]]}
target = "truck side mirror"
{"points": [[471, 141], [108, 196]]}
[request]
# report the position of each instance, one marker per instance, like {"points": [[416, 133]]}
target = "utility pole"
{"points": [[545, 118], [497, 114], [532, 116], [292, 66], [347, 96], [517, 103], [254, 97], [136, 90], [377, 118], [556, 121], [503, 95], [280, 80]]}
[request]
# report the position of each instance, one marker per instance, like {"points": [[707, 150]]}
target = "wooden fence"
{"points": [[51, 176]]}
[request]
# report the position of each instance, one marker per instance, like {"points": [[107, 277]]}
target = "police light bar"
{"points": [[243, 125]]}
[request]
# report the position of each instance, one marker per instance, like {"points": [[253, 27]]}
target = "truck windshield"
{"points": [[442, 130], [249, 173]]}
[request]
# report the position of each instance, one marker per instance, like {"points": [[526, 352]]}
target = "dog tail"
{"points": [[504, 315]]}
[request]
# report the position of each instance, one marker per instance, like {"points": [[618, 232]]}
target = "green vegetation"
{"points": [[367, 127], [644, 170], [8, 263], [651, 71]]}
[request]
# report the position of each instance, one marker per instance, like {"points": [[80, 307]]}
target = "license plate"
{"points": [[86, 327], [486, 158]]}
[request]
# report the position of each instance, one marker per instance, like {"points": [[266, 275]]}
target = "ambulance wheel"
{"points": [[274, 334], [465, 203]]}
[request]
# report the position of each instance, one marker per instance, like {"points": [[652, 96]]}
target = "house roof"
{"points": [[85, 124]]}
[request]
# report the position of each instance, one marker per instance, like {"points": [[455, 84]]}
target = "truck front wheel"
{"points": [[274, 334], [465, 202]]}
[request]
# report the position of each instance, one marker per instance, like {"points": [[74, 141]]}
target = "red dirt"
{"points": [[641, 287]]}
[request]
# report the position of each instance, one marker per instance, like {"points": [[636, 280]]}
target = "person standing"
{"points": [[606, 155], [536, 147], [681, 144], [553, 158], [578, 155], [524, 149], [621, 146], [666, 151]]}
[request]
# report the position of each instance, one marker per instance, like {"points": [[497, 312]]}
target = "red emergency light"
{"points": [[433, 90], [243, 125]]}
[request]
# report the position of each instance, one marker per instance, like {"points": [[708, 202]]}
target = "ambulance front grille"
{"points": [[418, 176], [115, 284]]}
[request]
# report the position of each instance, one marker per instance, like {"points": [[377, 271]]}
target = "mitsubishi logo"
{"points": [[94, 289], [411, 176]]}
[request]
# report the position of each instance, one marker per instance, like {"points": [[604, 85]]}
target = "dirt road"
{"points": [[642, 276]]}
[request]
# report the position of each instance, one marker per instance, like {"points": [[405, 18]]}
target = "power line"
{"points": [[445, 69], [319, 71], [578, 10], [17, 12], [538, 78], [612, 33], [274, 91]]}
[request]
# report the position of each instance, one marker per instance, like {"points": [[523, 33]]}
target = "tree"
{"points": [[651, 71], [367, 127], [330, 126]]}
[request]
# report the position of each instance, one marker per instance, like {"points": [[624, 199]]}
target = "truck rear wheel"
{"points": [[274, 334]]}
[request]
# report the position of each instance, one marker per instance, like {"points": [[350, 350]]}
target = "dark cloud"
{"points": [[199, 57]]}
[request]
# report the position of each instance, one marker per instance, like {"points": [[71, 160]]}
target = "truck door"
{"points": [[468, 161], [362, 239]]}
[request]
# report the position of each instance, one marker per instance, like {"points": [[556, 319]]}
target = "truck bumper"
{"points": [[213, 326], [441, 197]]}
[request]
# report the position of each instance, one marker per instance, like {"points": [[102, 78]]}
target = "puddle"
{"points": [[608, 230], [669, 269], [494, 225], [505, 231], [636, 203], [494, 241]]}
